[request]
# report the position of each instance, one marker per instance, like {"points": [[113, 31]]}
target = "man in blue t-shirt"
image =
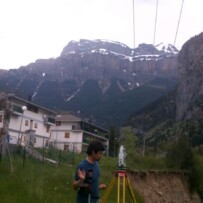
{"points": [[87, 175]]}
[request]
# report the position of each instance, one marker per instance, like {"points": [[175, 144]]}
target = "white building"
{"points": [[73, 134], [29, 123]]}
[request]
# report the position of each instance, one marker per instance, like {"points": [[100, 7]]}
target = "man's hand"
{"points": [[81, 174], [102, 186]]}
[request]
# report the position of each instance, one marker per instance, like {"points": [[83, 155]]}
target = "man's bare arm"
{"points": [[76, 183], [81, 175]]}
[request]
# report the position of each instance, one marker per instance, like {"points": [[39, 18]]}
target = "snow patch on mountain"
{"points": [[37, 89], [106, 47], [167, 48], [73, 95]]}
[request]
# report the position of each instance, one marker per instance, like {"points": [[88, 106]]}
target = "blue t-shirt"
{"points": [[91, 180]]}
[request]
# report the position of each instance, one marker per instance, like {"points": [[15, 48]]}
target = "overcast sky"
{"points": [[35, 29]]}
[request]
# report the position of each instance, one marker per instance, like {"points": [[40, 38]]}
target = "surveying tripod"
{"points": [[123, 182]]}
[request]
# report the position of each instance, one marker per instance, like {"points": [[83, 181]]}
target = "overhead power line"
{"points": [[178, 23], [133, 25], [157, 2]]}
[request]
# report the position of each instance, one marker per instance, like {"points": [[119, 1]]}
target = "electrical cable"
{"points": [[178, 23], [155, 21], [135, 78], [133, 27]]}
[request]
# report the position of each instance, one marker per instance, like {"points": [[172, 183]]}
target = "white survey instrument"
{"points": [[122, 180], [121, 157]]}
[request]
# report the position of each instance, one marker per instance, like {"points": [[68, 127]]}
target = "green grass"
{"points": [[36, 182], [39, 182], [146, 163]]}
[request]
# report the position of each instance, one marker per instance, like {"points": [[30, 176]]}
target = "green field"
{"points": [[42, 182]]}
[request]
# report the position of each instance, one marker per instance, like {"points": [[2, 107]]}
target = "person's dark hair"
{"points": [[95, 146]]}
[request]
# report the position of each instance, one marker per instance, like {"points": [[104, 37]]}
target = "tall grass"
{"points": [[36, 182], [41, 182]]}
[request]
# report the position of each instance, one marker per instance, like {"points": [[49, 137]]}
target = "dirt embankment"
{"points": [[162, 187]]}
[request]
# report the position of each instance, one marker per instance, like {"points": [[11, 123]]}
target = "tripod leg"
{"points": [[118, 190], [130, 190], [124, 189], [109, 188]]}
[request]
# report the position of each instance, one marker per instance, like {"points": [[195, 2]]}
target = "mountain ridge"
{"points": [[109, 67], [107, 47]]}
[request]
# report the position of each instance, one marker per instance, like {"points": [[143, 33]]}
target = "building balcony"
{"points": [[17, 110], [49, 120]]}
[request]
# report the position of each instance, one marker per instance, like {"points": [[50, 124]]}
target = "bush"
{"points": [[196, 176]]}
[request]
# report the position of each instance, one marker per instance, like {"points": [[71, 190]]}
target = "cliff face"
{"points": [[184, 103], [159, 187], [189, 100]]}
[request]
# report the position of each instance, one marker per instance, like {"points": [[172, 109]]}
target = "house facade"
{"points": [[29, 123], [71, 133], [34, 125]]}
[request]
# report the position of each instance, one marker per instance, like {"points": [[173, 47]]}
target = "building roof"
{"points": [[67, 117], [12, 96]]}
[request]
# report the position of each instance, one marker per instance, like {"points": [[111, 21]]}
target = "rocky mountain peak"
{"points": [[95, 46], [167, 48], [106, 47], [189, 100], [146, 49], [109, 70]]}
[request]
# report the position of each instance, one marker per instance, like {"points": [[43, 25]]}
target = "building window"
{"points": [[35, 126], [46, 143], [35, 140], [1, 118], [66, 147], [67, 134], [26, 122], [58, 123], [73, 127]]}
